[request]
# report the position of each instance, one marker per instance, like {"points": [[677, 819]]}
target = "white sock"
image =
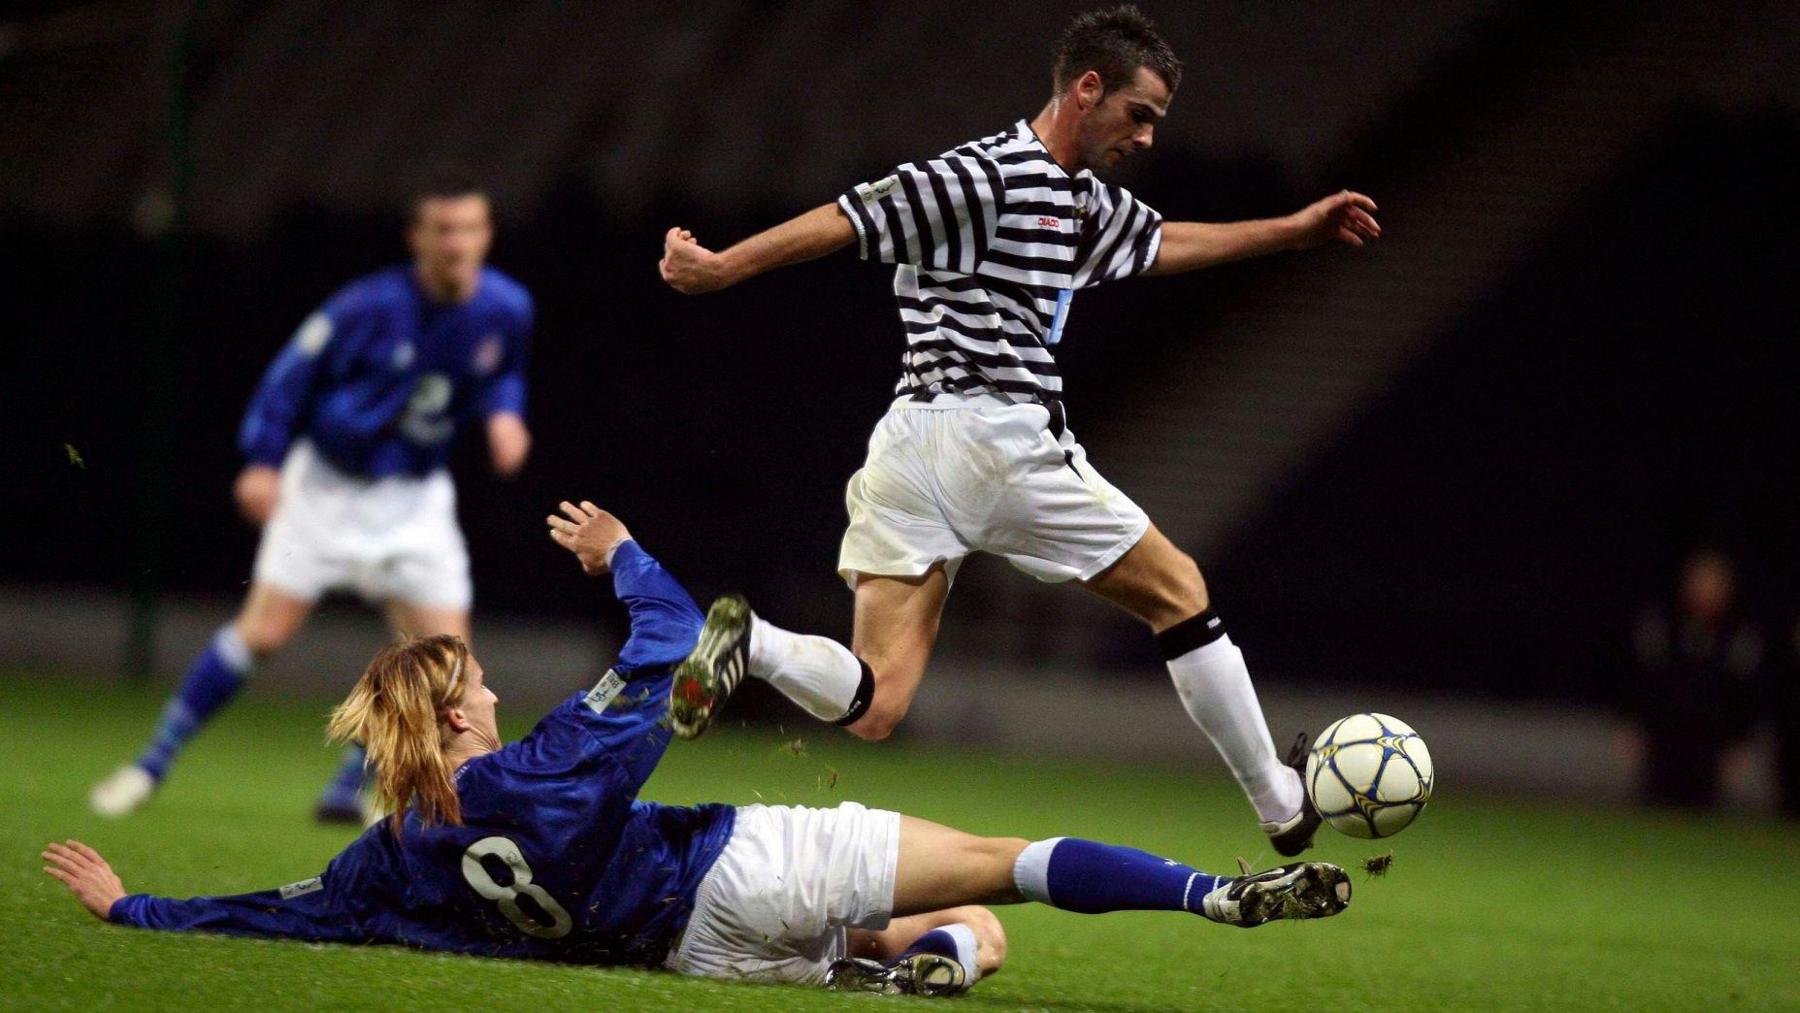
{"points": [[818, 673], [966, 949], [1215, 688], [1031, 870]]}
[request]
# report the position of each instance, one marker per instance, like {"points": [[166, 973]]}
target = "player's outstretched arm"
{"points": [[691, 269], [86, 874], [1344, 217]]}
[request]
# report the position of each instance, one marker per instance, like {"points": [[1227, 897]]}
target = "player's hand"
{"points": [[508, 443], [590, 533], [688, 267], [86, 874], [1344, 216], [257, 490]]}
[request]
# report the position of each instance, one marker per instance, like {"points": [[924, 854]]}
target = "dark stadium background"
{"points": [[1598, 197]]}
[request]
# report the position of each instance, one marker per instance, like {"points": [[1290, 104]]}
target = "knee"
{"points": [[879, 721], [887, 707], [262, 637], [990, 938]]}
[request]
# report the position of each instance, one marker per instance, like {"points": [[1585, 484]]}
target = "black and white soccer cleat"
{"points": [[706, 678], [1301, 890], [926, 974], [1295, 834]]}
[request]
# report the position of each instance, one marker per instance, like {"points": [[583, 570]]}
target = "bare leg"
{"points": [[942, 868], [411, 619], [269, 619], [1154, 581], [896, 628]]}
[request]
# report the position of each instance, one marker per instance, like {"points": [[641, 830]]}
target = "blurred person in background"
{"points": [[1696, 686], [347, 441]]}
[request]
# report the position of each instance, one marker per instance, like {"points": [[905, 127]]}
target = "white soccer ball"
{"points": [[1369, 775]]}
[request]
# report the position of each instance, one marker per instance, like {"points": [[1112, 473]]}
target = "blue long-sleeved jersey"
{"points": [[380, 376], [555, 858]]}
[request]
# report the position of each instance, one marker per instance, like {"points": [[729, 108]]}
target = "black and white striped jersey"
{"points": [[991, 240]]}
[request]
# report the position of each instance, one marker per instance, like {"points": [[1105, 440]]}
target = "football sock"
{"points": [[1092, 878], [1214, 686], [348, 780], [954, 941], [212, 680], [818, 673]]}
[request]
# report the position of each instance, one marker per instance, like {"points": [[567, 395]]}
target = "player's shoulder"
{"points": [[374, 292], [505, 292]]}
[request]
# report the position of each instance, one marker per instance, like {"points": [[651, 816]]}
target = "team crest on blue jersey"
{"points": [[487, 353]]}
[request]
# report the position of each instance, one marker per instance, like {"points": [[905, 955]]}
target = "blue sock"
{"points": [[212, 680], [348, 780], [1091, 878]]}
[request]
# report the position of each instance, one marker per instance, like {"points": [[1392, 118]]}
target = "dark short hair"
{"points": [[1115, 42], [441, 182]]}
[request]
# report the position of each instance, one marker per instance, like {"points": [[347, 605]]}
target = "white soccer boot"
{"points": [[1301, 890]]}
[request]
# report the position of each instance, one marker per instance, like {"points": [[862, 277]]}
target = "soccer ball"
{"points": [[1369, 775]]}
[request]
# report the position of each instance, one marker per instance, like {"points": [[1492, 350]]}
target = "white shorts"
{"points": [[956, 475], [387, 539], [779, 903]]}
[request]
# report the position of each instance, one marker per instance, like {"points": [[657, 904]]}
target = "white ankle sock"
{"points": [[1215, 688], [818, 673]]}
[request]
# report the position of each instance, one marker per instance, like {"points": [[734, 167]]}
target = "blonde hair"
{"points": [[395, 712]]}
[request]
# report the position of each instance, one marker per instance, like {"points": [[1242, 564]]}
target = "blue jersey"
{"points": [[380, 376], [556, 859]]}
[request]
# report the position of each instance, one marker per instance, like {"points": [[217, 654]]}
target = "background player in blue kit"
{"points": [[542, 850], [347, 440]]}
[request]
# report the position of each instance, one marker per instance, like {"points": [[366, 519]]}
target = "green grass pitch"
{"points": [[1490, 903]]}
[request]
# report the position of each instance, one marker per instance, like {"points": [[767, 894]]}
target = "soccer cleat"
{"points": [[122, 792], [706, 678], [1295, 834], [1301, 890], [926, 974]]}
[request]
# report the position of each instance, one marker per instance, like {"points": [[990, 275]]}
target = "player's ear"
{"points": [[1089, 90], [456, 719]]}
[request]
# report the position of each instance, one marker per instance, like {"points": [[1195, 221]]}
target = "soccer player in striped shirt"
{"points": [[990, 241]]}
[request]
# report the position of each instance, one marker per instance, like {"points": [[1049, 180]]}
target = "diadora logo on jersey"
{"points": [[487, 354], [1047, 222], [869, 193], [302, 888], [403, 355]]}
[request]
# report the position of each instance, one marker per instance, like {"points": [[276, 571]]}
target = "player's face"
{"points": [[1123, 122], [450, 238]]}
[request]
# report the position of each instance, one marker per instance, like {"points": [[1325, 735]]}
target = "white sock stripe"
{"points": [[1188, 891], [232, 650], [1031, 871], [965, 949]]}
